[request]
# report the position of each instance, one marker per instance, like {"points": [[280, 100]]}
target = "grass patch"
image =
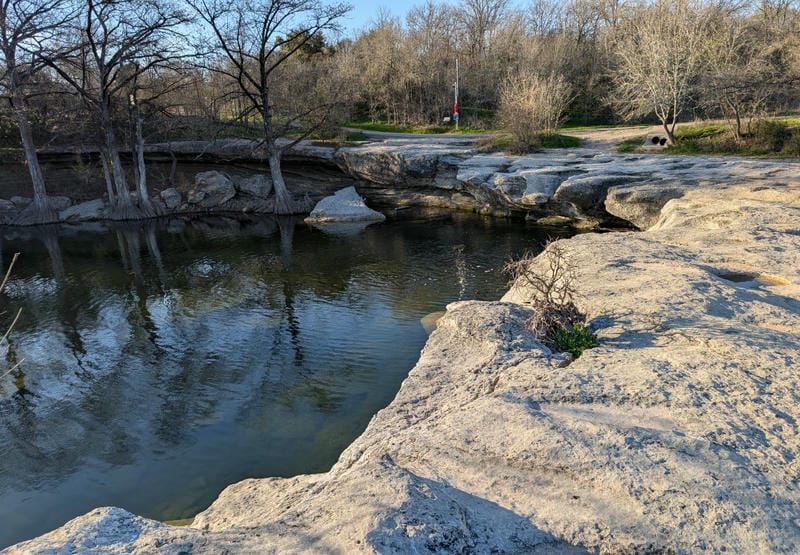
{"points": [[779, 137], [631, 145], [415, 129], [556, 140], [496, 143], [505, 142], [773, 138], [574, 339], [354, 136]]}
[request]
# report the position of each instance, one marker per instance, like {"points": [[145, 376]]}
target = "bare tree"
{"points": [[531, 105], [660, 54], [256, 37], [480, 19], [119, 42], [739, 77], [27, 29]]}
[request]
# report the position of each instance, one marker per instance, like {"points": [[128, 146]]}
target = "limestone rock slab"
{"points": [[345, 205], [641, 204]]}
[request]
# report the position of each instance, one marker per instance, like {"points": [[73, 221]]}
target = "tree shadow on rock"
{"points": [[439, 518]]}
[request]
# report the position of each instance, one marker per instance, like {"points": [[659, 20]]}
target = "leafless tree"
{"points": [[255, 38], [739, 78], [27, 31], [118, 43], [479, 20], [660, 54]]}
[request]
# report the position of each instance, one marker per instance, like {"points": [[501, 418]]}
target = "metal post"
{"points": [[455, 103]]}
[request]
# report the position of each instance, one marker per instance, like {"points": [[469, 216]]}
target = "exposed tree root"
{"points": [[36, 214]]}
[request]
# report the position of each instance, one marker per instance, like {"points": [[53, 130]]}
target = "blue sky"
{"points": [[365, 11]]}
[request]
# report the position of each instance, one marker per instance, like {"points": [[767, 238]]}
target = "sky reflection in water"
{"points": [[166, 361]]}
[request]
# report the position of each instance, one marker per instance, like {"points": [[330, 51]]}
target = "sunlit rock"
{"points": [[345, 205]]}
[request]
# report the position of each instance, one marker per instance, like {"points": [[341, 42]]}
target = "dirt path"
{"points": [[608, 138]]}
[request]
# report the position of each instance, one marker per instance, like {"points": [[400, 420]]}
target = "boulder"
{"points": [[195, 197], [641, 204], [171, 197], [85, 211], [476, 175], [211, 189], [512, 185], [345, 205], [588, 193], [258, 185], [540, 187]]}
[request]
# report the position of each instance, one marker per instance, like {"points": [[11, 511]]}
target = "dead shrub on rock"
{"points": [[549, 280], [4, 338]]}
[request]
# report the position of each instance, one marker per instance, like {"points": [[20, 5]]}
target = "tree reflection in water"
{"points": [[167, 360]]}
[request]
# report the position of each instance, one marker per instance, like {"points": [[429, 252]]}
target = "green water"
{"points": [[162, 362]]}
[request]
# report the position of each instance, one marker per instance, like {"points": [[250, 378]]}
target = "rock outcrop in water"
{"points": [[679, 432], [345, 205]]}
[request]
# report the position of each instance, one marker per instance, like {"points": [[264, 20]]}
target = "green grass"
{"points": [[354, 136], [556, 140], [505, 142], [631, 145], [497, 143], [416, 129], [574, 339], [769, 138]]}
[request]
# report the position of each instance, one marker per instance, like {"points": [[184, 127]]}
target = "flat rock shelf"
{"points": [[679, 432]]}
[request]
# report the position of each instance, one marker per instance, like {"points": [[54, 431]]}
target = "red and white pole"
{"points": [[455, 103]]}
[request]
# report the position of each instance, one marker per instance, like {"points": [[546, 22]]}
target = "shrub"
{"points": [[530, 105], [770, 135], [574, 339], [549, 282], [4, 339], [791, 146]]}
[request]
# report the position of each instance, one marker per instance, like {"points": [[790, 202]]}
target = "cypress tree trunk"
{"points": [[283, 199], [123, 208], [39, 211], [138, 160]]}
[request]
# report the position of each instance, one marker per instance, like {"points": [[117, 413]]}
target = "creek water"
{"points": [[159, 363]]}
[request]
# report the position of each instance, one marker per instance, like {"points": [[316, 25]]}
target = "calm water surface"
{"points": [[161, 363]]}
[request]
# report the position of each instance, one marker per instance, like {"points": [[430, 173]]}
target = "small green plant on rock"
{"points": [[574, 339], [549, 280]]}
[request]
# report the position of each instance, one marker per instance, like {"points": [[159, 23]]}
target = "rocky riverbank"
{"points": [[580, 187], [679, 432]]}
